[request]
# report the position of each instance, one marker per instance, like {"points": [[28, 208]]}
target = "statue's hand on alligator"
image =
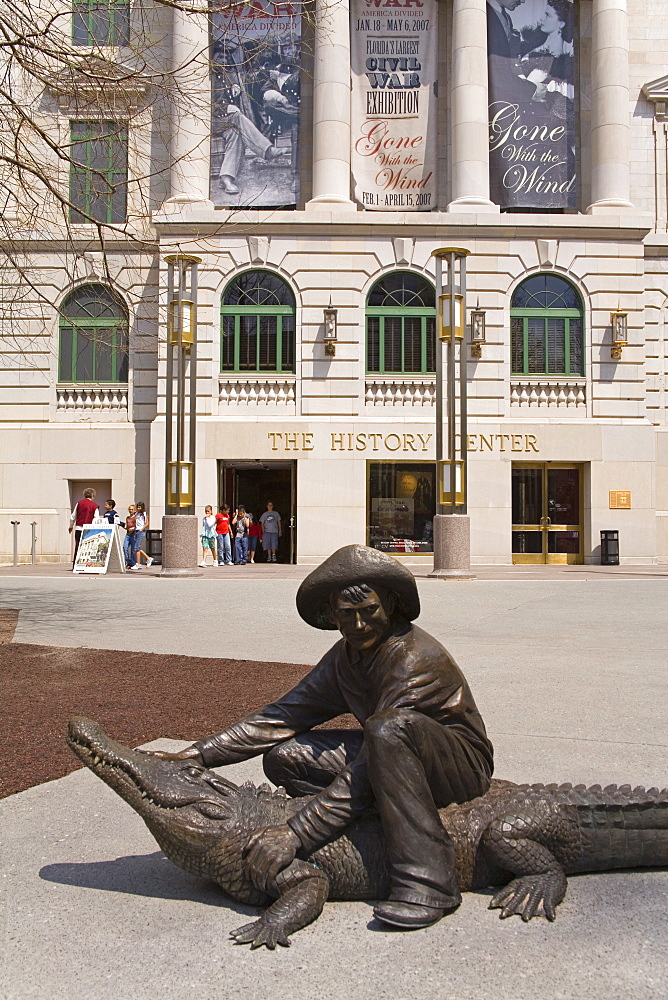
{"points": [[526, 838], [268, 851]]}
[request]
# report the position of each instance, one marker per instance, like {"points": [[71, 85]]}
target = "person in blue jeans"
{"points": [[241, 524], [224, 536]]}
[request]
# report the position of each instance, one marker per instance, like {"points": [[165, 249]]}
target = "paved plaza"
{"points": [[569, 672]]}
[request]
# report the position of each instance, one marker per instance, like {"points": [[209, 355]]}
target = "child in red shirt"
{"points": [[223, 538]]}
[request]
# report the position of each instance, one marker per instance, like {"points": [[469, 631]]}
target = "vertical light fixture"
{"points": [[330, 316], [181, 384], [477, 331], [452, 554], [619, 324]]}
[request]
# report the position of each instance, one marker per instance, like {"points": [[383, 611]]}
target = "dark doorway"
{"points": [[252, 484]]}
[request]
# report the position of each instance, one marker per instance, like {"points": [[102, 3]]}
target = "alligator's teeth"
{"points": [[96, 760], [144, 795]]}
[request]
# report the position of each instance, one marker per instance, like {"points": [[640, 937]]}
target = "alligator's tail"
{"points": [[620, 826]]}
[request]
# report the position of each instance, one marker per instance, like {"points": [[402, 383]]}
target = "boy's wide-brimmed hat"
{"points": [[354, 564]]}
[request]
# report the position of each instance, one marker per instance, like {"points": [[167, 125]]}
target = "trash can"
{"points": [[609, 548], [154, 545]]}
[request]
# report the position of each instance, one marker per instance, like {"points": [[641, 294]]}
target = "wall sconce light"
{"points": [[618, 322], [330, 318], [477, 331]]}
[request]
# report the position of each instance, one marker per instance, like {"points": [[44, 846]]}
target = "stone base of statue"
{"points": [[452, 547], [180, 545]]}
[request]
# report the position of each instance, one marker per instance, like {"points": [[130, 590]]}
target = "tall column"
{"points": [[469, 109], [190, 145], [610, 111], [331, 105]]}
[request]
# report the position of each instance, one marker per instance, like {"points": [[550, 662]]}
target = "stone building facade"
{"points": [[343, 444]]}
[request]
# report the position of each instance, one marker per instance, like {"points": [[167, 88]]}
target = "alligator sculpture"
{"points": [[525, 838]]}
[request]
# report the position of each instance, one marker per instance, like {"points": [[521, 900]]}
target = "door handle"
{"points": [[545, 522], [291, 522]]}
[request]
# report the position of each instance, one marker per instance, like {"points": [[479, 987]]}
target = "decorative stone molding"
{"points": [[104, 86], [258, 249], [547, 252], [411, 391], [656, 92], [91, 397], [403, 249], [257, 391], [560, 392]]}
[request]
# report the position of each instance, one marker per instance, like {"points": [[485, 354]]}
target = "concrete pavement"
{"points": [[569, 673]]}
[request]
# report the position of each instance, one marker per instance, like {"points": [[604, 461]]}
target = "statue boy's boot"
{"points": [[407, 757]]}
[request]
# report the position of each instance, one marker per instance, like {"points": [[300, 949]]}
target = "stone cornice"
{"points": [[656, 91], [441, 226]]}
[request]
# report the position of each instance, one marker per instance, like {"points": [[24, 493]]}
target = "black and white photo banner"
{"points": [[256, 55], [530, 49]]}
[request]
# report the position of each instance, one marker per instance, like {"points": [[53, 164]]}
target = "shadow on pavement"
{"points": [[151, 875]]}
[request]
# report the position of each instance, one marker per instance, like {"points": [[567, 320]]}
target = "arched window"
{"points": [[93, 337], [547, 329], [401, 325], [258, 324]]}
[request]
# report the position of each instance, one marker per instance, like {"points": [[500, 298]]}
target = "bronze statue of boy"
{"points": [[422, 744]]}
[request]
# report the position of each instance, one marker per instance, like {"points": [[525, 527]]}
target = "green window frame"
{"points": [[93, 338], [547, 328], [100, 22], [401, 326], [258, 325], [98, 171]]}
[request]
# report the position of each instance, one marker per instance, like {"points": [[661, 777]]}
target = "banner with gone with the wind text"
{"points": [[394, 52], [530, 48]]}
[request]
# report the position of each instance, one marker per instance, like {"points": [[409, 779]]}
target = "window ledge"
{"points": [[556, 390], [400, 390], [92, 396], [256, 388]]}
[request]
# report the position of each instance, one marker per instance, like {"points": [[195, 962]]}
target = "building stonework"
{"points": [[327, 438]]}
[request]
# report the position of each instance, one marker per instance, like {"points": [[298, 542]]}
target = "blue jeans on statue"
{"points": [[224, 549], [241, 550]]}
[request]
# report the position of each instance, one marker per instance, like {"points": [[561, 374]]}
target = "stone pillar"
{"points": [[190, 145], [610, 110], [452, 547], [469, 109], [180, 545], [331, 105]]}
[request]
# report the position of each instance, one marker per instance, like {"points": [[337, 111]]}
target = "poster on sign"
{"points": [[530, 48], [394, 53], [256, 59], [100, 549]]}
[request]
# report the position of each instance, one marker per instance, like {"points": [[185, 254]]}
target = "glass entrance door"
{"points": [[547, 513], [251, 484]]}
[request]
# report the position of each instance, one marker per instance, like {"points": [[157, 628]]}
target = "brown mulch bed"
{"points": [[137, 697]]}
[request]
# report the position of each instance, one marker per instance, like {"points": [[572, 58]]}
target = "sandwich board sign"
{"points": [[100, 549]]}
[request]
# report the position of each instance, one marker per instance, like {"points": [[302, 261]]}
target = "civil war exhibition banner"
{"points": [[394, 54], [256, 56], [530, 46]]}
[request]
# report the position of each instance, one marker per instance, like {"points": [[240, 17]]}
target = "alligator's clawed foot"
{"points": [[526, 895], [261, 932]]}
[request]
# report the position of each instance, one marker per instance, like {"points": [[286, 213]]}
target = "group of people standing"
{"points": [[136, 525], [234, 538]]}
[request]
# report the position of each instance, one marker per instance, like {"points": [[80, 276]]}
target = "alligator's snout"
{"points": [[150, 785]]}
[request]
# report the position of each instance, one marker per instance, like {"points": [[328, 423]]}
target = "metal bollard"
{"points": [[15, 526], [33, 542]]}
